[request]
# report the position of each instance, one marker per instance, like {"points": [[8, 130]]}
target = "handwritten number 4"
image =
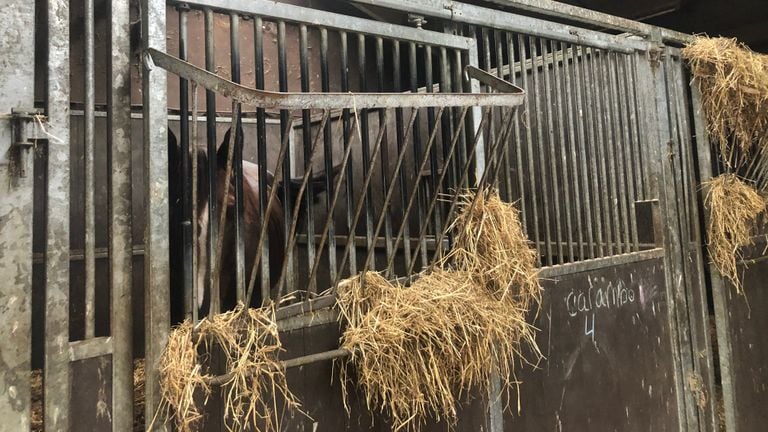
{"points": [[587, 330]]}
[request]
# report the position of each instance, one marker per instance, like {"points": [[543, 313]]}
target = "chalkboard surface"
{"points": [[609, 364]]}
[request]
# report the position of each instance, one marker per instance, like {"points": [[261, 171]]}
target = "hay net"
{"points": [[733, 81], [417, 351], [256, 394]]}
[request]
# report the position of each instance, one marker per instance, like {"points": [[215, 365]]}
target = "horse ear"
{"points": [[221, 152]]}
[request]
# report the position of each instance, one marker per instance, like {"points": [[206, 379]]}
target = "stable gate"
{"points": [[604, 157]]}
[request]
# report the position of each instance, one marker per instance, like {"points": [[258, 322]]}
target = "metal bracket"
{"points": [[417, 20], [23, 136]]}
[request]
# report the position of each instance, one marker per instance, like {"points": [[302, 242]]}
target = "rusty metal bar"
{"points": [[298, 101], [330, 188], [534, 45], [306, 128], [384, 162], [213, 206], [236, 131], [529, 107], [347, 131], [563, 143], [285, 135], [583, 125], [573, 179], [401, 134], [189, 216], [261, 150]]}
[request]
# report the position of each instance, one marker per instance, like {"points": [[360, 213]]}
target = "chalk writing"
{"points": [[612, 296]]}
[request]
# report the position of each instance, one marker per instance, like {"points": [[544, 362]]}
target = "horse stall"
{"points": [[168, 160]]}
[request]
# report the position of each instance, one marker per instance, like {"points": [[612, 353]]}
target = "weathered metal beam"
{"points": [[57, 374], [156, 273], [16, 207], [292, 13], [500, 20], [297, 101]]}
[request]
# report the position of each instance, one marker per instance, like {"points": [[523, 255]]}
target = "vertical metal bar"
{"points": [[558, 52], [627, 150], [345, 117], [261, 150], [234, 43], [540, 112], [585, 131], [506, 178], [614, 224], [328, 156], [213, 206], [458, 86], [599, 155], [417, 150], [400, 137], [620, 203], [16, 209], [188, 215], [546, 60], [156, 280], [306, 126], [194, 295], [449, 164], [486, 47], [433, 168], [574, 176], [519, 168], [385, 212], [282, 69], [370, 242], [120, 226], [57, 375], [90, 181], [530, 102]]}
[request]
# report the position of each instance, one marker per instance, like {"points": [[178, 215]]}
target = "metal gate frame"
{"points": [[155, 116], [664, 91]]}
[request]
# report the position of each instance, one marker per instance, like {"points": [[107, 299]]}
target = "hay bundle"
{"points": [[733, 82], [249, 343], [734, 207], [417, 350]]}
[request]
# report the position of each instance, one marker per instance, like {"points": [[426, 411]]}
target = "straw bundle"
{"points": [[248, 342], [734, 207], [417, 350], [733, 81]]}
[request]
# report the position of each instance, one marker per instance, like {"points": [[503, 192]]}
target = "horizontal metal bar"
{"points": [[311, 305], [90, 348], [500, 20], [312, 319], [599, 263], [288, 364], [292, 13], [595, 18], [285, 100]]}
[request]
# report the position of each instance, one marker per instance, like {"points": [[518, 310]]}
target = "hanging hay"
{"points": [[248, 341], [417, 350], [489, 242], [733, 81], [734, 207]]}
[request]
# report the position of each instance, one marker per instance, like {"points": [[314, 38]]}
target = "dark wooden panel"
{"points": [[320, 392], [91, 405], [609, 356], [749, 346]]}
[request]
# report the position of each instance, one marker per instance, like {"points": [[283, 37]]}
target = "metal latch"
{"points": [[23, 122]]}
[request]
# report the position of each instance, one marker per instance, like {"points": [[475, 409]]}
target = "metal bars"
{"points": [[576, 156], [365, 141]]}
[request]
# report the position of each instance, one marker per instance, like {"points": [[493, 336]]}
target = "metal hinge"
{"points": [[24, 122], [655, 55]]}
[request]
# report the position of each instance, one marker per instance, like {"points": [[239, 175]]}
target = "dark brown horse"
{"points": [[252, 224]]}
